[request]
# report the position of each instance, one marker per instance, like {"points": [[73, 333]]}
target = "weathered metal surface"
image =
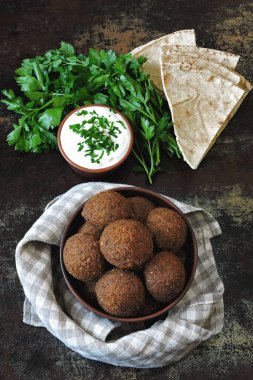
{"points": [[223, 184]]}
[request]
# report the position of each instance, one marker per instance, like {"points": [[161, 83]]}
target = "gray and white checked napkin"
{"points": [[49, 303]]}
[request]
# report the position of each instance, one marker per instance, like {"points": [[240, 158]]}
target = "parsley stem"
{"points": [[40, 108], [157, 153], [143, 163], [151, 159]]}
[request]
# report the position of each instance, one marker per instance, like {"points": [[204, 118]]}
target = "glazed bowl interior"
{"points": [[190, 247]]}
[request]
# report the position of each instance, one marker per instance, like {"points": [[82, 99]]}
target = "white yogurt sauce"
{"points": [[69, 139]]}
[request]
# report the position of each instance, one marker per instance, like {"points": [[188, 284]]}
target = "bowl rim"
{"points": [[102, 170], [166, 308]]}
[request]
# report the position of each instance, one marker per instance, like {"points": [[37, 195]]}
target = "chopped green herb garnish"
{"points": [[97, 133]]}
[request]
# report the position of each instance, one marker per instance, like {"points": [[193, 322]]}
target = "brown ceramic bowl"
{"points": [[92, 173], [76, 286]]}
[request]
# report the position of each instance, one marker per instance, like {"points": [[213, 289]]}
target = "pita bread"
{"points": [[216, 68], [153, 53], [228, 60], [186, 34], [201, 104]]}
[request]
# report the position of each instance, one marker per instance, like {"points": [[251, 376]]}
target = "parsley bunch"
{"points": [[60, 80]]}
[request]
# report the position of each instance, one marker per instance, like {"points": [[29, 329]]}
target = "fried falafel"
{"points": [[165, 276], [167, 227], [126, 244], [106, 207], [120, 293], [88, 228], [140, 207], [82, 257]]}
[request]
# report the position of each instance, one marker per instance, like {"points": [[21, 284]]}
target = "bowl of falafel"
{"points": [[128, 254]]}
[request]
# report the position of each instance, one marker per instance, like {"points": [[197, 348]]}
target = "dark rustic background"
{"points": [[222, 184]]}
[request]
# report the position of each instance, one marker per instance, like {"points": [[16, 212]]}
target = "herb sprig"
{"points": [[60, 80], [97, 133]]}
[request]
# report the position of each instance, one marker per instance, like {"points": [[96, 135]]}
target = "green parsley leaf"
{"points": [[67, 49], [51, 118], [13, 136]]}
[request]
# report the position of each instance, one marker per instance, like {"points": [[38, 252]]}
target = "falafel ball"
{"points": [[167, 227], [126, 244], [82, 257], [164, 276], [88, 228], [120, 293], [140, 207], [106, 207]]}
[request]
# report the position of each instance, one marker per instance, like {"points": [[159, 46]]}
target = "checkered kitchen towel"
{"points": [[49, 303]]}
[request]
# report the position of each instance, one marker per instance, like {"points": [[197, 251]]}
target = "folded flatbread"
{"points": [[216, 68], [171, 38], [226, 59], [153, 53], [201, 102]]}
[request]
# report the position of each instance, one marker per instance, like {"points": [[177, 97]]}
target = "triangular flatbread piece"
{"points": [[179, 35], [152, 52], [201, 104], [216, 68], [226, 59]]}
